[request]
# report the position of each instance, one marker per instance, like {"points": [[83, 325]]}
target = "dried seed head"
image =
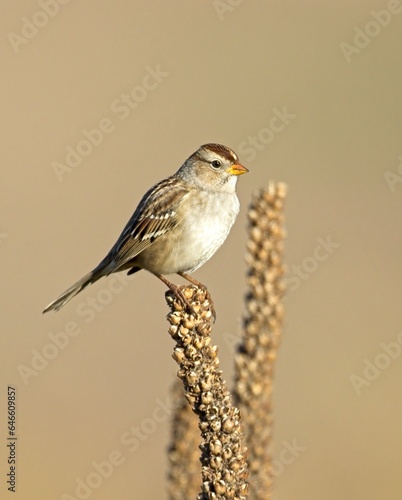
{"points": [[199, 343], [205, 384], [216, 462], [191, 378], [229, 476], [235, 465], [189, 292], [230, 492], [216, 425], [197, 358], [215, 447], [189, 323], [178, 306], [190, 351], [207, 398], [174, 318], [205, 390], [220, 487], [173, 330], [228, 425], [212, 351], [262, 331], [204, 426], [186, 340], [196, 308], [178, 355], [190, 398], [183, 332]]}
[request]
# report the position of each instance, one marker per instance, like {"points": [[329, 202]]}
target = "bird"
{"points": [[178, 225]]}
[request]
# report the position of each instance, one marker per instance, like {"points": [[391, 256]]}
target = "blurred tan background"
{"points": [[216, 71]]}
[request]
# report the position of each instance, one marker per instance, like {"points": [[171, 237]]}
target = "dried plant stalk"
{"points": [[223, 462], [255, 359], [184, 476]]}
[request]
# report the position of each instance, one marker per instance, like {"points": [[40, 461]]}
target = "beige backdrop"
{"points": [[306, 92]]}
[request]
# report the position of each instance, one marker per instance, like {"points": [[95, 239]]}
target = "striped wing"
{"points": [[155, 215]]}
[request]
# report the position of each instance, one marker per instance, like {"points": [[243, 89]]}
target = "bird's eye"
{"points": [[216, 163]]}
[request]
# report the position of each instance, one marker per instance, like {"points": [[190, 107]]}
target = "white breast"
{"points": [[203, 227], [206, 228]]}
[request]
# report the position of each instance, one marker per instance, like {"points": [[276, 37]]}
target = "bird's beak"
{"points": [[237, 170]]}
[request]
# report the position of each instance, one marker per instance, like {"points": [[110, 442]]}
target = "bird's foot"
{"points": [[181, 297], [202, 287]]}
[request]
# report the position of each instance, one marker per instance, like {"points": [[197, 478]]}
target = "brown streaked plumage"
{"points": [[155, 215], [178, 225]]}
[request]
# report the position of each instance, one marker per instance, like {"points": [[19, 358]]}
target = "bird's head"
{"points": [[213, 167]]}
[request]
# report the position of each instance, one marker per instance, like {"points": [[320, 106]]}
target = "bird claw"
{"points": [[199, 285], [181, 297], [178, 293]]}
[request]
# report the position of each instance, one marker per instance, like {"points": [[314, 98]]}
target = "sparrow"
{"points": [[178, 225]]}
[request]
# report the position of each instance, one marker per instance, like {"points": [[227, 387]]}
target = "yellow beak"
{"points": [[237, 170]]}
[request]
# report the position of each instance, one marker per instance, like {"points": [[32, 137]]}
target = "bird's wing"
{"points": [[155, 215]]}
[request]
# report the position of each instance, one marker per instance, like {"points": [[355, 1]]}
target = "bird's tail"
{"points": [[71, 292]]}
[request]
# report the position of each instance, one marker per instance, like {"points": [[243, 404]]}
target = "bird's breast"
{"points": [[203, 225], [206, 227]]}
